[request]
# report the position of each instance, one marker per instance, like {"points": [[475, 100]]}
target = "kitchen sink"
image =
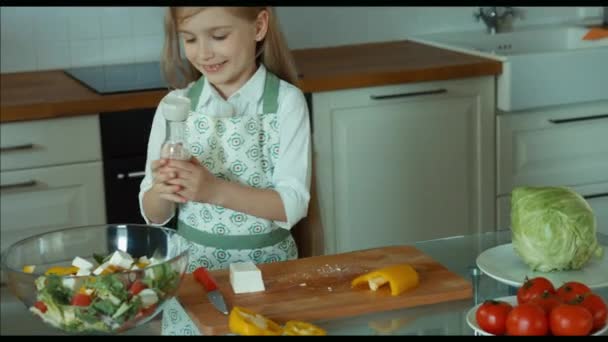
{"points": [[542, 66]]}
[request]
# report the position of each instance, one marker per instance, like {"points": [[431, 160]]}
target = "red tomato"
{"points": [[40, 306], [136, 287], [571, 290], [492, 316], [596, 305], [571, 320], [81, 299], [145, 312], [527, 319], [548, 301], [532, 288]]}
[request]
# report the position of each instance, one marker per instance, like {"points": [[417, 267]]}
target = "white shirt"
{"points": [[292, 173]]}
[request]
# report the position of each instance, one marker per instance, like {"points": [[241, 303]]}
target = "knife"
{"points": [[213, 293]]}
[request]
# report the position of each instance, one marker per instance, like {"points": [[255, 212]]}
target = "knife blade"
{"points": [[213, 293]]}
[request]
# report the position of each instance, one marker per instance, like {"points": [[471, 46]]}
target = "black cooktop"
{"points": [[120, 78]]}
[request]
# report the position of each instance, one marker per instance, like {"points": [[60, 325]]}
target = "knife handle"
{"points": [[202, 276]]}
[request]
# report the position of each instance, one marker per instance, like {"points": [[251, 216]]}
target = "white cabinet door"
{"points": [[595, 194], [38, 200], [403, 168], [37, 143], [563, 146]]}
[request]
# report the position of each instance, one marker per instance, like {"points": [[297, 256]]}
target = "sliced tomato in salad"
{"points": [[40, 306], [137, 287], [81, 299]]}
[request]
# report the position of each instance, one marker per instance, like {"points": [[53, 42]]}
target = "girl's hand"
{"points": [[197, 183], [161, 175]]}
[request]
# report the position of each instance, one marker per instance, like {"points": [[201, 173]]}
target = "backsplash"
{"points": [[43, 38]]}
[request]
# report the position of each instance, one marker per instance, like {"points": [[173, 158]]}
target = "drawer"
{"points": [[553, 148], [411, 92], [49, 142], [38, 200], [595, 194]]}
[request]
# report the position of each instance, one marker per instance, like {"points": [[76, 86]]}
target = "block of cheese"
{"points": [[121, 259], [246, 277]]}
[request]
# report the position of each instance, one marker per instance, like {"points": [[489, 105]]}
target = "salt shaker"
{"points": [[175, 110]]}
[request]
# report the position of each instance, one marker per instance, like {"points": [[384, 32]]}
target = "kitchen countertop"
{"points": [[50, 94]]}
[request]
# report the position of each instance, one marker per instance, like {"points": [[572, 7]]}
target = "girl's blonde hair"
{"points": [[272, 51]]}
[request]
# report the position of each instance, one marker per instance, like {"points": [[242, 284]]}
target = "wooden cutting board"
{"points": [[318, 288]]}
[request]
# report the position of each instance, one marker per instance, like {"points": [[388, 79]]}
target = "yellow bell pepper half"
{"points": [[400, 277], [299, 328], [62, 271], [245, 322]]}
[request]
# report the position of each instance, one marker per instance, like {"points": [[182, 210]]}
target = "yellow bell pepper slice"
{"points": [[299, 328], [400, 277], [62, 271], [29, 268], [245, 322]]}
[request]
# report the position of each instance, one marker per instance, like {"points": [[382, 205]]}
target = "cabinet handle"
{"points": [[17, 147], [601, 194], [137, 174], [18, 185], [416, 93], [583, 118]]}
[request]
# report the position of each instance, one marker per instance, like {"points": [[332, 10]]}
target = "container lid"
{"points": [[176, 107]]}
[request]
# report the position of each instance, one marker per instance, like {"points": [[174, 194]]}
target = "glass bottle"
{"points": [[175, 110]]}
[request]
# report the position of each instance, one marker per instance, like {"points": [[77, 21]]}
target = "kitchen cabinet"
{"points": [[52, 176], [48, 198], [554, 146], [403, 163], [559, 146]]}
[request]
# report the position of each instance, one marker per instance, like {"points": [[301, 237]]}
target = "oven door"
{"points": [[122, 177]]}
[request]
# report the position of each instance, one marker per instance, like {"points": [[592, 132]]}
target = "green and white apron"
{"points": [[242, 148]]}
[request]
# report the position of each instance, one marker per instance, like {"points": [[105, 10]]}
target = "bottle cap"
{"points": [[176, 107]]}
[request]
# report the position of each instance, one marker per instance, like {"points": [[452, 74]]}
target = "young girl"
{"points": [[248, 131]]}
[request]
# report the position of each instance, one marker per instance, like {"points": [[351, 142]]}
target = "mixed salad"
{"points": [[103, 295]]}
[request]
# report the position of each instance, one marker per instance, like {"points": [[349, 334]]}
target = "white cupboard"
{"points": [[404, 163], [52, 176], [553, 146], [560, 146]]}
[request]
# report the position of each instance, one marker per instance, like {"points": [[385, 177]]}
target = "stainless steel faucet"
{"points": [[497, 19]]}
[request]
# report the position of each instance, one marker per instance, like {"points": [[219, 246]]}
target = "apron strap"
{"points": [[194, 94], [270, 97], [271, 93]]}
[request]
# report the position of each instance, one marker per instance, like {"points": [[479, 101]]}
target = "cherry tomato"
{"points": [[40, 306], [569, 291], [548, 301], [570, 320], [145, 312], [136, 287], [527, 319], [81, 299], [532, 288], [596, 305], [492, 316]]}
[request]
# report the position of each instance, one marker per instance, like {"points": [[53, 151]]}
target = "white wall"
{"points": [[307, 27], [42, 38]]}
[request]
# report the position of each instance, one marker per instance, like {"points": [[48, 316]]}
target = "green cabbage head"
{"points": [[553, 228]]}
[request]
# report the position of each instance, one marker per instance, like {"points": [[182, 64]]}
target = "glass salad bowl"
{"points": [[97, 279]]}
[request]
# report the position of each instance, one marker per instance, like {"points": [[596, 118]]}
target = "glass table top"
{"points": [[459, 255]]}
